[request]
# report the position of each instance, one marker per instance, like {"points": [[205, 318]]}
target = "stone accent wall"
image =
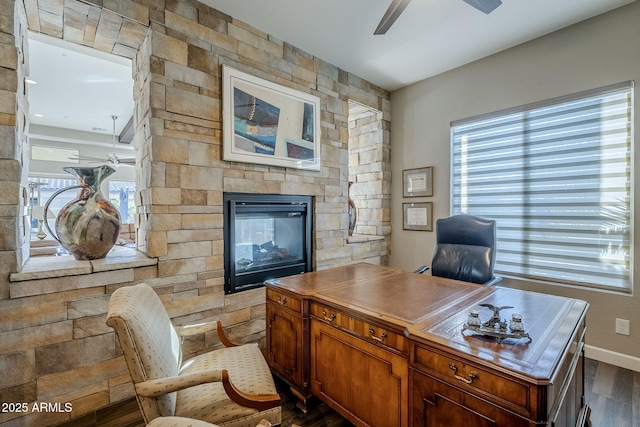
{"points": [[119, 28], [14, 163], [55, 345], [370, 172], [179, 141]]}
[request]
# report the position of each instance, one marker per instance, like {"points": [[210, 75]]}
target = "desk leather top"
{"points": [[433, 311]]}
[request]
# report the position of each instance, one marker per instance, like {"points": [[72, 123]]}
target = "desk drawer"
{"points": [[285, 300], [368, 331], [479, 380], [436, 403]]}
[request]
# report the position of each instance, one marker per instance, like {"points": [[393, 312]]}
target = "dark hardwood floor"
{"points": [[612, 393], [318, 415]]}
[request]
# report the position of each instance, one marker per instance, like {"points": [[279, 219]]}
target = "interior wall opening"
{"points": [[367, 156], [80, 115]]}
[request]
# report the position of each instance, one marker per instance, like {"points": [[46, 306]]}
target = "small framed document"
{"points": [[418, 182], [417, 216]]}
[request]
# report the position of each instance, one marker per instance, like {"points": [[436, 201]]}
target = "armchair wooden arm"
{"points": [[160, 386], [196, 328], [201, 328], [259, 402]]}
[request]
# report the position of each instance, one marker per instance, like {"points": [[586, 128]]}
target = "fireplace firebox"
{"points": [[265, 236]]}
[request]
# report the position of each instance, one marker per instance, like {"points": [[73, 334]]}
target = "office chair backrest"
{"points": [[465, 248]]}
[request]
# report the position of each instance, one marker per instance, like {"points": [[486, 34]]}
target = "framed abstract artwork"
{"points": [[269, 124]]}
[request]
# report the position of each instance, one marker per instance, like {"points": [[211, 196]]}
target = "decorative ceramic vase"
{"points": [[89, 225], [353, 213]]}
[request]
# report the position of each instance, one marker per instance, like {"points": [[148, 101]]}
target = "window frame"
{"points": [[620, 87]]}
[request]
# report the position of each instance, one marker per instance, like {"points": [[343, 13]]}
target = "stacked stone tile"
{"points": [[54, 345], [369, 160], [13, 141]]}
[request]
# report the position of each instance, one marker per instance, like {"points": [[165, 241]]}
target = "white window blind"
{"points": [[556, 176]]}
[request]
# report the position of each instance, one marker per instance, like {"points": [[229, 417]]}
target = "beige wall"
{"points": [[591, 54]]}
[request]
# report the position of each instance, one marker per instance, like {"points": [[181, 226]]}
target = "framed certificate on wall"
{"points": [[417, 216], [417, 182]]}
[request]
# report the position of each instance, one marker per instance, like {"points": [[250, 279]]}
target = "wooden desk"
{"points": [[385, 348]]}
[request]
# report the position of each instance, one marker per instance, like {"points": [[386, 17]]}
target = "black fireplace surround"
{"points": [[265, 236]]}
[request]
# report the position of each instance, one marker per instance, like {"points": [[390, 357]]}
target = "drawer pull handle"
{"points": [[381, 338], [472, 376], [328, 318], [282, 301]]}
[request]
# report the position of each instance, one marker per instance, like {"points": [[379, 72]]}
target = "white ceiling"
{"points": [[80, 88], [77, 87], [430, 37]]}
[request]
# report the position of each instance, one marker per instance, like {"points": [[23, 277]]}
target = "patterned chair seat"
{"points": [[248, 371]]}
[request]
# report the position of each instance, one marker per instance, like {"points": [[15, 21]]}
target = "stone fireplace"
{"points": [[181, 179], [265, 236]]}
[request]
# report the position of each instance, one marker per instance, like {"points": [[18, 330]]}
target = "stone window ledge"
{"points": [[47, 267], [361, 238]]}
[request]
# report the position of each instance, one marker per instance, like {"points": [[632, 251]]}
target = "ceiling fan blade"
{"points": [[390, 16], [86, 159], [127, 162], [486, 6], [116, 160]]}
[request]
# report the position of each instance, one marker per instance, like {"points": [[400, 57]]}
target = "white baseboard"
{"points": [[612, 358]]}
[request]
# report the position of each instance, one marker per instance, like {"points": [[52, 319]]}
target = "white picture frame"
{"points": [[269, 124]]}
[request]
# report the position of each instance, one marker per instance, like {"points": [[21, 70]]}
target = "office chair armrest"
{"points": [[201, 328], [493, 281], [422, 269]]}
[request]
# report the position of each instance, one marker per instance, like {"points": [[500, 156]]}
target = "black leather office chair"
{"points": [[465, 249]]}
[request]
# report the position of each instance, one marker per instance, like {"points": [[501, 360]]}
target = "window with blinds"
{"points": [[556, 176]]}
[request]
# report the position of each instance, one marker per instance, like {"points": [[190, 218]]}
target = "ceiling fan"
{"points": [[113, 158], [398, 6]]}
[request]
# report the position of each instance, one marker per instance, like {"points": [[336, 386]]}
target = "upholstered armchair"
{"points": [[231, 386], [465, 249]]}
